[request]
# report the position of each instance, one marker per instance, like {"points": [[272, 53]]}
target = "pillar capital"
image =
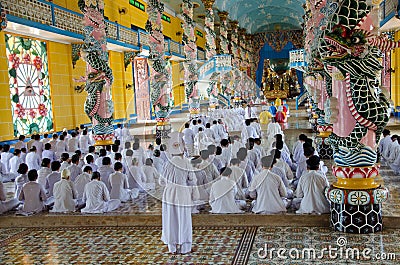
{"points": [[248, 37], [223, 15], [242, 31], [234, 24], [208, 3]]}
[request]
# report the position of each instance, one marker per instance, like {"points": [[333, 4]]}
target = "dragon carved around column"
{"points": [[357, 54], [99, 78]]}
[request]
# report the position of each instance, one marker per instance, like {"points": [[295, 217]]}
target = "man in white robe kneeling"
{"points": [[97, 197], [222, 195], [65, 194], [310, 190], [119, 185], [268, 189]]}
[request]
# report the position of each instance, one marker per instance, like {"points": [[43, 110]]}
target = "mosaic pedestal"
{"points": [[163, 128], [194, 106], [325, 151], [103, 139], [356, 200]]}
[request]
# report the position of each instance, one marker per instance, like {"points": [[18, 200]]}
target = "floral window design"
{"points": [[29, 85]]}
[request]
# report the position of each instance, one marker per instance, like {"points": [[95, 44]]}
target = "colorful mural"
{"points": [[29, 85]]}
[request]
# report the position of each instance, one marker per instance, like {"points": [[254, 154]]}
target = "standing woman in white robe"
{"points": [[64, 193], [177, 198]]}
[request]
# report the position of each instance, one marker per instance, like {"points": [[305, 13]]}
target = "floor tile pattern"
{"points": [[319, 238], [211, 245], [106, 245]]}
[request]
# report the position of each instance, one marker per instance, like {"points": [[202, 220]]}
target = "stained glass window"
{"points": [[29, 85]]}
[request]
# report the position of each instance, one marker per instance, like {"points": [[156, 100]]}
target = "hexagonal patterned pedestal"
{"points": [[324, 150], [361, 219], [163, 131]]}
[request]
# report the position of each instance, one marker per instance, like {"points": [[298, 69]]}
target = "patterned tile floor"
{"points": [[106, 245], [383, 244], [211, 245]]}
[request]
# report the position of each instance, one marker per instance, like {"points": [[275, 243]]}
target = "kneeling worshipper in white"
{"points": [[177, 203], [119, 185], [44, 172], [240, 178], [97, 197], [81, 181], [223, 193], [310, 190], [5, 205], [152, 176], [281, 170], [203, 184], [32, 195], [64, 193], [136, 176], [268, 190], [21, 179]]}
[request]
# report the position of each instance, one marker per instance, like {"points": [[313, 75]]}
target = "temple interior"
{"points": [[169, 80]]}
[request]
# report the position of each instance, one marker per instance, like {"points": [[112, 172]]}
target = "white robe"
{"points": [[80, 183], [49, 154], [97, 198], [269, 189], [5, 205], [42, 175], [19, 183], [84, 143], [177, 204], [105, 172], [310, 191], [239, 176], [119, 187], [75, 171], [33, 196], [222, 197], [14, 163], [152, 176], [383, 146], [52, 179], [33, 161], [64, 194], [136, 178]]}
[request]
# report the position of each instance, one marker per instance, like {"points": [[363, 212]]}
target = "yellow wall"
{"points": [[6, 125], [69, 4], [178, 87], [118, 87], [78, 98], [129, 95], [60, 64], [395, 86]]}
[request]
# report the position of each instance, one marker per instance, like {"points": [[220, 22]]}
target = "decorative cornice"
{"points": [[223, 15], [234, 24], [208, 3]]}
